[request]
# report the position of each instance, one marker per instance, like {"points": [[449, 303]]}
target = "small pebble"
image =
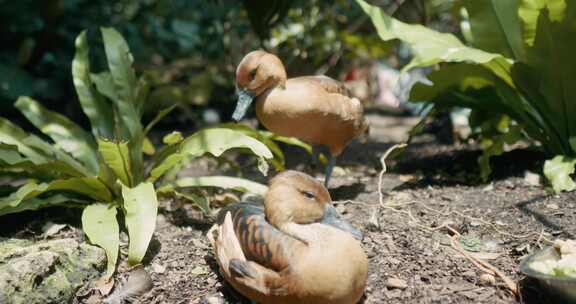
{"points": [[487, 279], [213, 299], [531, 178], [158, 268], [395, 283]]}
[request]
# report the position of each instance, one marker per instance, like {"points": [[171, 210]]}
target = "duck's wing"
{"points": [[261, 242], [340, 100], [252, 252], [326, 83]]}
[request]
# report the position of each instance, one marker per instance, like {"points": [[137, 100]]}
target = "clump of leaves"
{"points": [[517, 73], [105, 171]]}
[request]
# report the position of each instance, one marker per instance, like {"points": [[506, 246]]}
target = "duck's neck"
{"points": [[278, 85], [304, 233]]}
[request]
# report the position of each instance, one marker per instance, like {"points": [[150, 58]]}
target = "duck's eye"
{"points": [[308, 194], [253, 73]]}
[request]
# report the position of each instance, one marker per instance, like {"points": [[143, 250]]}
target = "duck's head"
{"points": [[295, 197], [256, 73]]}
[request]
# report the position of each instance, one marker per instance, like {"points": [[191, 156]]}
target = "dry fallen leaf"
{"points": [[49, 229], [104, 286]]}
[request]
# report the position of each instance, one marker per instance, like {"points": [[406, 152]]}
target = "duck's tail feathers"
{"points": [[227, 245]]}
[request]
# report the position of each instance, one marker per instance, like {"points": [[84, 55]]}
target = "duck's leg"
{"points": [[329, 169], [316, 156]]}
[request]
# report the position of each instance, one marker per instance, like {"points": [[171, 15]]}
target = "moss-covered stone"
{"points": [[46, 272]]}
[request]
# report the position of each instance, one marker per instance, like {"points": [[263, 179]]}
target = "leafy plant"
{"points": [[105, 171], [516, 73]]}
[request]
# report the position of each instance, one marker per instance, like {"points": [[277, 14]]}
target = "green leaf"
{"points": [[495, 146], [265, 138], [88, 186], [13, 135], [431, 47], [120, 64], [549, 73], [198, 200], [558, 170], [44, 202], [67, 135], [9, 155], [105, 84], [47, 170], [148, 147], [38, 152], [473, 86], [496, 27], [460, 77], [226, 182], [100, 225], [117, 157], [94, 106], [173, 138], [214, 141], [158, 118], [529, 11], [141, 208], [263, 166], [572, 141], [26, 191], [142, 91], [288, 140]]}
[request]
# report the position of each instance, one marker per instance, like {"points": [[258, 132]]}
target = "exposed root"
{"points": [[384, 169]]}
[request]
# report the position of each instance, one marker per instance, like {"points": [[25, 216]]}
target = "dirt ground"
{"points": [[411, 259]]}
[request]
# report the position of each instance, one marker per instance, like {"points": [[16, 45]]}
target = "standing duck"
{"points": [[294, 249], [316, 109]]}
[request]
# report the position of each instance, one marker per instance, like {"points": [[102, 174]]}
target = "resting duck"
{"points": [[316, 109], [294, 249]]}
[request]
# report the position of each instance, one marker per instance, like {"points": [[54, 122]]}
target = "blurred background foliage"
{"points": [[190, 47]]}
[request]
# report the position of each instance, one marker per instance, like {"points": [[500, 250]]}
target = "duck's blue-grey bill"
{"points": [[332, 218], [244, 102]]}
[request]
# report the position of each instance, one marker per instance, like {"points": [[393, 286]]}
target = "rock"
{"points": [[46, 272], [531, 179], [213, 299], [338, 171], [487, 279], [488, 188], [395, 283], [158, 268]]}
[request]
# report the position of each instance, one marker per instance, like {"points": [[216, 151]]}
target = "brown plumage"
{"points": [[316, 109], [294, 249]]}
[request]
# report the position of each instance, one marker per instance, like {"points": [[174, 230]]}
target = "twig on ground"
{"points": [[384, 169]]}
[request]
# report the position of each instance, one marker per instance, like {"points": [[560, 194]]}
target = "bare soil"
{"points": [[427, 188]]}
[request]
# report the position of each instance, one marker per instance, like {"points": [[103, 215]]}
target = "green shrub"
{"points": [[104, 171], [518, 75]]}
